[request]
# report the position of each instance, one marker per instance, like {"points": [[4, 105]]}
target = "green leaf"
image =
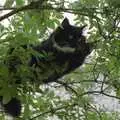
{"points": [[6, 98], [19, 2], [8, 3]]}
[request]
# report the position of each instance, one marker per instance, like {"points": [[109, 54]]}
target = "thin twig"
{"points": [[51, 111], [67, 86]]}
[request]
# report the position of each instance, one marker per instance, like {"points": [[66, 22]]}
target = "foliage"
{"points": [[72, 98]]}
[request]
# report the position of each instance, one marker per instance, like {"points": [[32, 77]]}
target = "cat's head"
{"points": [[70, 38], [69, 35]]}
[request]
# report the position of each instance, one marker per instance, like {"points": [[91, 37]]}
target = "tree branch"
{"points": [[74, 104], [14, 12], [38, 6], [53, 110], [67, 86]]}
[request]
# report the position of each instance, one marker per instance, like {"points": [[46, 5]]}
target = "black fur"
{"points": [[69, 49], [72, 50], [13, 107]]}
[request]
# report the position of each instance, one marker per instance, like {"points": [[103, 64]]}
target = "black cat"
{"points": [[67, 48]]}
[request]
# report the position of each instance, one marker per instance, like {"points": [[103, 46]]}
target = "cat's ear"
{"points": [[65, 23], [83, 27]]}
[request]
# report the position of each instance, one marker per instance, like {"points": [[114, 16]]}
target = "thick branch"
{"points": [[14, 12]]}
